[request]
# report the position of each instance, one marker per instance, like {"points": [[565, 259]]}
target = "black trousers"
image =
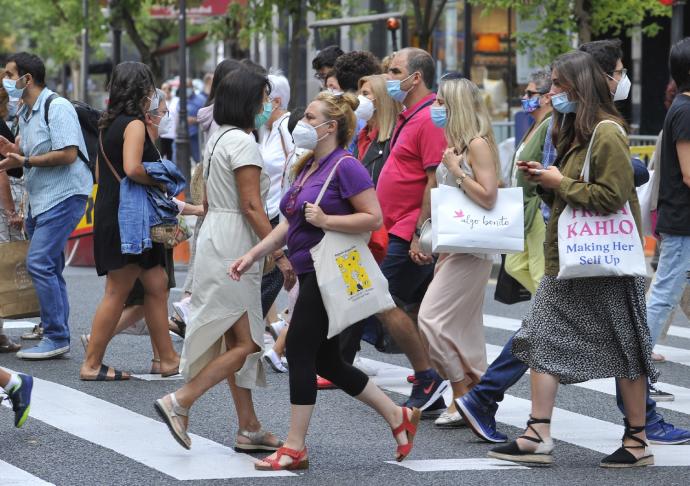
{"points": [[309, 352]]}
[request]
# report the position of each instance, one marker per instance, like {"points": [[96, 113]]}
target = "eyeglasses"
{"points": [[622, 72], [529, 93]]}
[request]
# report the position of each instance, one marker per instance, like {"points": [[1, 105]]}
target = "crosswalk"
{"points": [[81, 415]]}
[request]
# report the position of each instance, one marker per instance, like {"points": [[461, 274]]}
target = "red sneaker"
{"points": [[324, 384]]}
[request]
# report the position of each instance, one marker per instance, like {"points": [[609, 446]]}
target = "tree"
{"points": [[556, 21], [426, 19]]}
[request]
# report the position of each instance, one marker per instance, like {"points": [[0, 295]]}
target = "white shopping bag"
{"points": [[591, 244], [351, 283], [460, 225], [644, 195]]}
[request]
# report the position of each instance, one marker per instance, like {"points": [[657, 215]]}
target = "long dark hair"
{"points": [[131, 85], [225, 67], [582, 78]]}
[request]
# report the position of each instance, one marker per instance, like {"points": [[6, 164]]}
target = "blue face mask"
{"points": [[262, 118], [10, 86], [394, 90], [439, 116], [530, 105], [562, 104]]}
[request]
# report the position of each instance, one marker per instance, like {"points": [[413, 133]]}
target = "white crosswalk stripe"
{"points": [[13, 476], [81, 415]]}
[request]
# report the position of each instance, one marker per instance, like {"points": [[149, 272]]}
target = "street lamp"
{"points": [[182, 137]]}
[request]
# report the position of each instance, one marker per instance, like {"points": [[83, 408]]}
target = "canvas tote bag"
{"points": [[351, 283], [460, 225], [18, 297], [599, 245]]}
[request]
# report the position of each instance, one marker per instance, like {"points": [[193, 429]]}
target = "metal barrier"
{"points": [[503, 130]]}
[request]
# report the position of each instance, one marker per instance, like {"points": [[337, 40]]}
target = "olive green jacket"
{"points": [[611, 185]]}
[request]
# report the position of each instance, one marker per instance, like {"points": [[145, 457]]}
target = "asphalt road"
{"points": [[108, 433]]}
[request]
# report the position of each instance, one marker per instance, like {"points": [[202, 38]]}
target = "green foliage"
{"points": [[557, 21]]}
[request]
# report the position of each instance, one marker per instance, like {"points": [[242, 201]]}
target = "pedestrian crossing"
{"points": [[81, 415]]}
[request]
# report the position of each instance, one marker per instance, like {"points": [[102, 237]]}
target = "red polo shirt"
{"points": [[400, 190]]}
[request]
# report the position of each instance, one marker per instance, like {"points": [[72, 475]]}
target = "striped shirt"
{"points": [[49, 186]]}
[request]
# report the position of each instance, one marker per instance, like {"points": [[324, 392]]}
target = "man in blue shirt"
{"points": [[58, 182], [195, 102]]}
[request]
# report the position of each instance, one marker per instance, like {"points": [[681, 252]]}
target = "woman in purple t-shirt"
{"points": [[349, 205]]}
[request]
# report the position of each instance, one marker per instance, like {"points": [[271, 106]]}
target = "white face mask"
{"points": [[165, 124], [623, 89], [305, 135], [366, 108]]}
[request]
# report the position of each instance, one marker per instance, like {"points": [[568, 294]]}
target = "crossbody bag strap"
{"points": [[105, 156], [402, 125], [210, 157], [584, 175], [329, 179]]}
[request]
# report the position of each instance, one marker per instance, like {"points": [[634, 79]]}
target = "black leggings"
{"points": [[309, 352]]}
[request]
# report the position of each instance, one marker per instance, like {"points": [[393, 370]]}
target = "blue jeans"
{"points": [[506, 370], [46, 261], [671, 278]]}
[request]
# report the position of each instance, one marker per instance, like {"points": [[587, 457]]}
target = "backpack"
{"points": [[88, 121]]}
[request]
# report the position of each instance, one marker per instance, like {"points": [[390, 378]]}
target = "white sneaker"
{"points": [[182, 309], [365, 367], [274, 361], [449, 420], [275, 328]]}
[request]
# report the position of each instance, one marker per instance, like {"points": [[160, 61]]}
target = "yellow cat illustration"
{"points": [[354, 274]]}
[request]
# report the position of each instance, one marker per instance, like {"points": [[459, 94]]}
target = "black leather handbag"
{"points": [[508, 290]]}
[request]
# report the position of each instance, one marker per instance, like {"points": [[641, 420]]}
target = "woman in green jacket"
{"points": [[593, 327], [528, 267]]}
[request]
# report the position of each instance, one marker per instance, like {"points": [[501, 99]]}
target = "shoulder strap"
{"points": [[584, 175], [46, 107], [46, 110], [282, 140], [402, 125], [210, 157], [105, 156], [329, 179]]}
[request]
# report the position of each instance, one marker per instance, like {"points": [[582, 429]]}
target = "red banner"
{"points": [[208, 8]]}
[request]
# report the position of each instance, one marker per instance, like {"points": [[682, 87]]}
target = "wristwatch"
{"points": [[27, 163], [460, 180], [418, 232]]}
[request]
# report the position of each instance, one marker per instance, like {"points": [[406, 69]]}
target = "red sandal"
{"points": [[299, 460], [410, 427]]}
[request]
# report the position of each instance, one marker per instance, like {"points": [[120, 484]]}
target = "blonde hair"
{"points": [[467, 116], [387, 109], [338, 108]]}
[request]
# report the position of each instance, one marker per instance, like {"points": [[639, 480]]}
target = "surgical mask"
{"points": [[305, 135], [439, 116], [335, 92], [165, 124], [530, 105], [261, 119], [623, 88], [10, 86], [13, 107], [155, 103], [394, 89], [365, 109], [562, 104]]}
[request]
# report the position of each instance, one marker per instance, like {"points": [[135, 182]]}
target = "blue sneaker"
{"points": [[665, 433], [426, 392], [20, 396], [482, 424], [45, 349]]}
